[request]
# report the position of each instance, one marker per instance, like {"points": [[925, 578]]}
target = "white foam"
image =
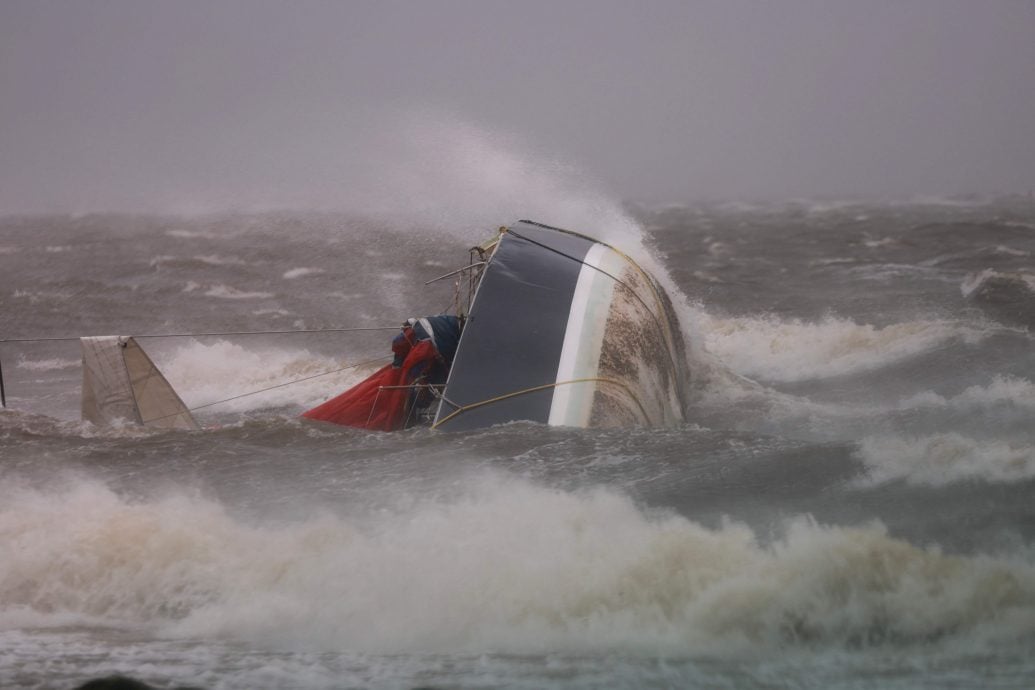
{"points": [[162, 259], [974, 281], [1003, 390], [207, 259], [1010, 251], [190, 234], [300, 272], [203, 373], [227, 292], [505, 566], [37, 296], [941, 459], [773, 349], [48, 364], [216, 260]]}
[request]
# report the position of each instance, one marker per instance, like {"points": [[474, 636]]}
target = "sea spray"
{"points": [[781, 350], [292, 540], [452, 175], [204, 373], [945, 458], [504, 566]]}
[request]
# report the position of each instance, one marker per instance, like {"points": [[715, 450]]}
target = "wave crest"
{"points": [[507, 566], [773, 349], [940, 459]]}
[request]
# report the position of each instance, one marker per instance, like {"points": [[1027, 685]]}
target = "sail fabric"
{"points": [[380, 402], [121, 383], [107, 393]]}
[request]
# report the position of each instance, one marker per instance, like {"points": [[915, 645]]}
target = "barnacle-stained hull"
{"points": [[565, 330]]}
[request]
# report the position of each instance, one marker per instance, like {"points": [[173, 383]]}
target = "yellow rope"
{"points": [[464, 408]]}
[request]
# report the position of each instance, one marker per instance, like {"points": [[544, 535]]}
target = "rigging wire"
{"points": [[269, 388], [199, 335], [663, 328], [460, 409]]}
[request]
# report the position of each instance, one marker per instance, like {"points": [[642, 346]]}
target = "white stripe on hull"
{"points": [[584, 338]]}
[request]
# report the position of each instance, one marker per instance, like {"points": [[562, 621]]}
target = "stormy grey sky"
{"points": [[139, 105]]}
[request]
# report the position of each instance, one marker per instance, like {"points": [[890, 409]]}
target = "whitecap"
{"points": [[189, 234], [505, 565], [773, 349], [203, 373], [216, 260], [940, 459], [227, 292], [48, 364], [299, 272], [1003, 390], [992, 279]]}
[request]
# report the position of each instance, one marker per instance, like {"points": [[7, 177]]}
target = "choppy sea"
{"points": [[851, 503]]}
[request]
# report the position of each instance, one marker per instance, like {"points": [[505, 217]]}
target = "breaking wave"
{"points": [[53, 364], [203, 373], [941, 459], [772, 349], [507, 566], [1007, 296], [227, 292], [300, 272], [1003, 391], [991, 284], [181, 262]]}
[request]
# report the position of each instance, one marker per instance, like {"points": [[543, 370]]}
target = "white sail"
{"points": [[120, 382]]}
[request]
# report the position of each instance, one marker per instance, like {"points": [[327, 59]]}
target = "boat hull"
{"points": [[566, 331]]}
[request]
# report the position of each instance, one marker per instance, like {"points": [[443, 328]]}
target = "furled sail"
{"points": [[120, 382]]}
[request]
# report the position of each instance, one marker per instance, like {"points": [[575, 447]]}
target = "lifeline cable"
{"points": [[650, 282], [3, 393], [263, 390], [199, 335], [595, 268], [460, 409], [665, 332]]}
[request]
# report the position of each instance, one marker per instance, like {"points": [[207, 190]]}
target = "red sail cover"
{"points": [[371, 404]]}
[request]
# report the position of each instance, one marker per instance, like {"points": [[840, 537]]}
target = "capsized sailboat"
{"points": [[558, 328]]}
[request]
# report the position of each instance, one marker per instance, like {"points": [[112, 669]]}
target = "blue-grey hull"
{"points": [[565, 330]]}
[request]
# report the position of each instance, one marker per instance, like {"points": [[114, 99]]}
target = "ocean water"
{"points": [[850, 505]]}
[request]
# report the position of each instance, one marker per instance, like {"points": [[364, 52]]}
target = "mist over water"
{"points": [[849, 503]]}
